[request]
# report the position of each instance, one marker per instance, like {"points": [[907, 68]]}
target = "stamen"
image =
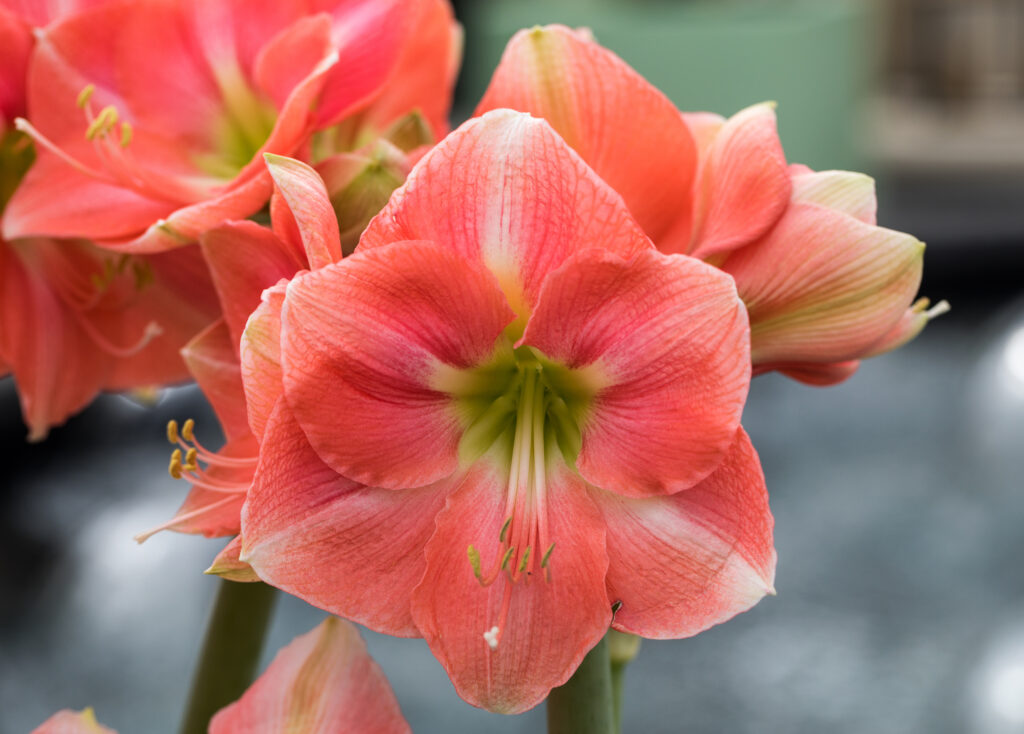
{"points": [[172, 431], [174, 468], [85, 95], [151, 331], [104, 121], [126, 134], [504, 529], [187, 430]]}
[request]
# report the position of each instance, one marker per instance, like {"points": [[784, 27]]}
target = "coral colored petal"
{"points": [[72, 722], [244, 259], [823, 286], [743, 185], [810, 373], [505, 188], [15, 47], [286, 60], [212, 358], [260, 356], [667, 335], [356, 551], [844, 191], [683, 563], [361, 342], [302, 189], [623, 127], [911, 324], [229, 566], [323, 682], [550, 626]]}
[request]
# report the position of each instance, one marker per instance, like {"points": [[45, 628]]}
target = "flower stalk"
{"points": [[584, 703]]}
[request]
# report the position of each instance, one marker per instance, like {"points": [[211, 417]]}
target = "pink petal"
{"points": [[302, 189], [72, 722], [356, 551], [244, 259], [15, 47], [548, 627], [362, 340], [323, 682], [478, 192], [911, 324], [844, 191], [683, 563], [810, 373], [229, 566], [743, 185], [623, 127], [666, 338], [212, 360], [823, 286], [286, 60], [260, 355]]}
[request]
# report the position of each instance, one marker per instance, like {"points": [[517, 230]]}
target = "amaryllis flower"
{"points": [[118, 319], [506, 422], [152, 117], [72, 722], [823, 284], [323, 682]]}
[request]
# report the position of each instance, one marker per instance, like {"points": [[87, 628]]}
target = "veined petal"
{"points": [[212, 360], [668, 336], [72, 722], [323, 682], [743, 185], [683, 563], [911, 324], [547, 627], [361, 342], [302, 189], [244, 259], [260, 355], [623, 127], [301, 518], [844, 191], [505, 189], [229, 566], [823, 286]]}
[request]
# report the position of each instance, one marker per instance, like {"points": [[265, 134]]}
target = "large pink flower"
{"points": [[823, 284], [152, 117], [504, 417]]}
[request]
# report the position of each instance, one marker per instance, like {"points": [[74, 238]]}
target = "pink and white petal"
{"points": [[665, 340], [704, 127], [72, 722], [823, 286], [623, 127], [302, 189], [212, 359], [911, 324], [244, 259], [361, 342], [260, 356], [353, 550], [548, 627], [683, 563], [506, 189], [844, 191], [811, 373], [323, 682], [743, 184], [229, 566]]}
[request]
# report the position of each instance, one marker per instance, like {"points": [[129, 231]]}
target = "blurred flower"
{"points": [[145, 146], [823, 284], [476, 428], [323, 682], [72, 722]]}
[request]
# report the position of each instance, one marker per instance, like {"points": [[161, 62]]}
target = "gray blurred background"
{"points": [[898, 495]]}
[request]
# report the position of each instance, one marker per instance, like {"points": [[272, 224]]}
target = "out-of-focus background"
{"points": [[898, 496]]}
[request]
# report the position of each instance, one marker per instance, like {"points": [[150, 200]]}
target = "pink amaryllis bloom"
{"points": [[152, 117], [506, 422], [823, 284], [323, 682], [72, 722], [118, 319]]}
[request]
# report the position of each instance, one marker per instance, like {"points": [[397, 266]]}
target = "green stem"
{"points": [[231, 651], [584, 704]]}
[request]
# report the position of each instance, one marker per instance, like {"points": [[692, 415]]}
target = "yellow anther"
{"points": [[504, 529], [190, 460], [525, 559], [126, 134], [85, 95], [505, 558], [105, 120], [172, 431], [186, 430], [174, 468], [547, 556], [474, 561]]}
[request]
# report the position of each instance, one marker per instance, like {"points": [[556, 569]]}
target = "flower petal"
{"points": [[361, 341], [302, 189], [823, 286], [506, 189], [353, 550], [72, 722], [668, 336], [213, 360], [260, 355], [810, 373], [229, 566], [623, 127], [549, 626], [683, 563], [844, 191], [743, 185], [323, 682]]}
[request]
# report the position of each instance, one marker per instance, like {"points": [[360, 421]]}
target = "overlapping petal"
{"points": [[260, 355], [212, 359], [72, 722]]}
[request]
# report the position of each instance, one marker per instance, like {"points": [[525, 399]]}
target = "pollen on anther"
{"points": [[174, 468], [85, 95], [491, 637], [172, 431], [186, 430]]}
